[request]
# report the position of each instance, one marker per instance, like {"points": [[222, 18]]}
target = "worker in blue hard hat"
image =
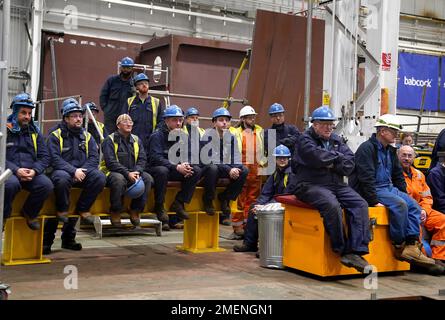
{"points": [[75, 163], [192, 121], [221, 160], [321, 161], [144, 109], [115, 92], [27, 157], [164, 168], [282, 181], [285, 134], [379, 179], [91, 127], [124, 160]]}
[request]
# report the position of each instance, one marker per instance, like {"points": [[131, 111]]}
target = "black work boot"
{"points": [[225, 207], [208, 206], [354, 261], [71, 245], [160, 213], [244, 248], [178, 207]]}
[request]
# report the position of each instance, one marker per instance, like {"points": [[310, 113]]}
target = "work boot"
{"points": [[244, 248], [165, 227], [46, 249], [257, 255], [62, 216], [398, 249], [225, 222], [71, 245], [178, 207], [355, 261], [225, 207], [135, 218], [178, 225], [87, 218], [413, 254], [33, 224], [208, 207], [160, 213], [115, 219]]}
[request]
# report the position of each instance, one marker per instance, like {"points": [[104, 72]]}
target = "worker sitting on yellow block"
{"points": [[124, 163]]}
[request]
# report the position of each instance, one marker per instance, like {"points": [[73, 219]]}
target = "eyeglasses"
{"points": [[127, 122], [326, 124], [74, 116]]}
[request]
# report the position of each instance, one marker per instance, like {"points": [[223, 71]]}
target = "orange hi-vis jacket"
{"points": [[435, 220]]}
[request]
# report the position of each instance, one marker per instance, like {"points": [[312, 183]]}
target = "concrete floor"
{"points": [[149, 267]]}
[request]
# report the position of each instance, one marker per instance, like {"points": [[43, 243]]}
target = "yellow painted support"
{"points": [[22, 245], [201, 233], [306, 245]]}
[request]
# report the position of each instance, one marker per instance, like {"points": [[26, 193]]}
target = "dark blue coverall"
{"points": [[320, 167], [285, 134], [113, 96], [65, 163], [21, 153], [439, 145], [223, 155], [276, 184], [436, 182], [162, 170], [118, 180], [142, 115], [379, 179]]}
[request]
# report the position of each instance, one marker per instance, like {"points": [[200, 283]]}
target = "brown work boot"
{"points": [[115, 219], [412, 253], [135, 218]]}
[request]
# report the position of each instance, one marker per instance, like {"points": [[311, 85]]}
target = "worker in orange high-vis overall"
{"points": [[433, 220], [250, 138]]}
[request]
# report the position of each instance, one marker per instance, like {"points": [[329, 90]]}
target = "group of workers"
{"points": [[138, 153]]}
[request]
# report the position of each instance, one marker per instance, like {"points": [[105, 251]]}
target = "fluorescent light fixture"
{"points": [[179, 11]]}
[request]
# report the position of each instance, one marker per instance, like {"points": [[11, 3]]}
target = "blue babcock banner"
{"points": [[416, 71]]}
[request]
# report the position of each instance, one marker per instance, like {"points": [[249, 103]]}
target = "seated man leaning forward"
{"points": [[321, 161], [379, 179], [124, 163]]}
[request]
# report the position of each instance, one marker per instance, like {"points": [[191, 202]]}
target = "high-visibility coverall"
{"points": [[252, 141], [435, 222]]}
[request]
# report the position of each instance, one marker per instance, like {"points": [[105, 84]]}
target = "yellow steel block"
{"points": [[306, 245], [201, 233], [22, 245]]}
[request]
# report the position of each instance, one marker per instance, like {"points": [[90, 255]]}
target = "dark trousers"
{"points": [[329, 200], [118, 185], [213, 172], [162, 175], [92, 185], [68, 231], [251, 231], [39, 189]]}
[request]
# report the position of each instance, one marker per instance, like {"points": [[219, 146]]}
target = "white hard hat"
{"points": [[246, 111], [390, 121]]}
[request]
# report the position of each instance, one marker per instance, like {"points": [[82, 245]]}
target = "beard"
{"points": [[143, 90]]}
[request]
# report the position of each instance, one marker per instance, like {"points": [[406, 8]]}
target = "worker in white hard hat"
{"points": [[250, 137], [379, 179]]}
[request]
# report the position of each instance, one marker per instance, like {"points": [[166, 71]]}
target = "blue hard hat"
{"points": [[22, 100], [221, 112], [192, 112], [91, 105], [276, 108], [281, 151], [136, 190], [140, 77], [323, 113], [71, 106], [127, 62], [173, 111]]}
